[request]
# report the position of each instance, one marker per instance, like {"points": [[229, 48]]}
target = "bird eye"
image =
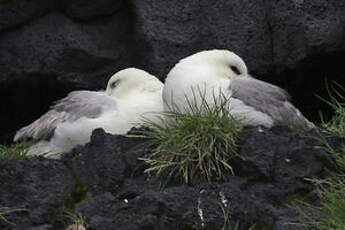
{"points": [[235, 69], [115, 83]]}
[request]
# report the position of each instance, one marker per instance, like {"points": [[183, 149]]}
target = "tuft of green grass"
{"points": [[15, 151], [227, 223], [336, 125], [77, 219], [195, 145], [337, 102], [332, 195], [335, 155], [332, 191], [4, 211], [69, 211], [226, 217], [330, 214]]}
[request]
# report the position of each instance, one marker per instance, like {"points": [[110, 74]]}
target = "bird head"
{"points": [[132, 80], [223, 63]]}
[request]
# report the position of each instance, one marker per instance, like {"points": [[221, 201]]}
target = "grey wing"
{"points": [[77, 104], [269, 99]]}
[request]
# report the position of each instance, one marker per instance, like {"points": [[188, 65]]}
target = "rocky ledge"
{"points": [[105, 183]]}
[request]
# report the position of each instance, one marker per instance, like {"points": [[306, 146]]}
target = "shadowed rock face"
{"points": [[266, 184], [38, 187], [85, 10], [59, 46], [271, 36], [13, 13]]}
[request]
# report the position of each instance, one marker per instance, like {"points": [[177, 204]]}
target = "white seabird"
{"points": [[215, 73], [131, 96]]}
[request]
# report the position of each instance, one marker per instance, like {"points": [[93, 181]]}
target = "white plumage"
{"points": [[131, 96], [215, 73]]}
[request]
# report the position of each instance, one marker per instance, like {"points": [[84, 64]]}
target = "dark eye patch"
{"points": [[115, 83], [235, 69]]}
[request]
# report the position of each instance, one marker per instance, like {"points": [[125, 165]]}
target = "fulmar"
{"points": [[211, 74], [131, 96]]}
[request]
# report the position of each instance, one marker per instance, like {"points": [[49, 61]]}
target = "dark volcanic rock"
{"points": [[288, 159], [105, 162], [302, 29], [269, 35], [55, 44], [267, 182], [173, 209], [82, 9], [307, 48], [263, 192], [174, 30], [16, 12], [38, 186]]}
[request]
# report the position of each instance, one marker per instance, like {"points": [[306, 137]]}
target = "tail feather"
{"points": [[293, 118]]}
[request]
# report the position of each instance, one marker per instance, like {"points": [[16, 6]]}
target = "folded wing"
{"points": [[269, 99], [76, 105]]}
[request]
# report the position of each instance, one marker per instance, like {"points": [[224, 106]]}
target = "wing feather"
{"points": [[269, 99], [76, 105]]}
